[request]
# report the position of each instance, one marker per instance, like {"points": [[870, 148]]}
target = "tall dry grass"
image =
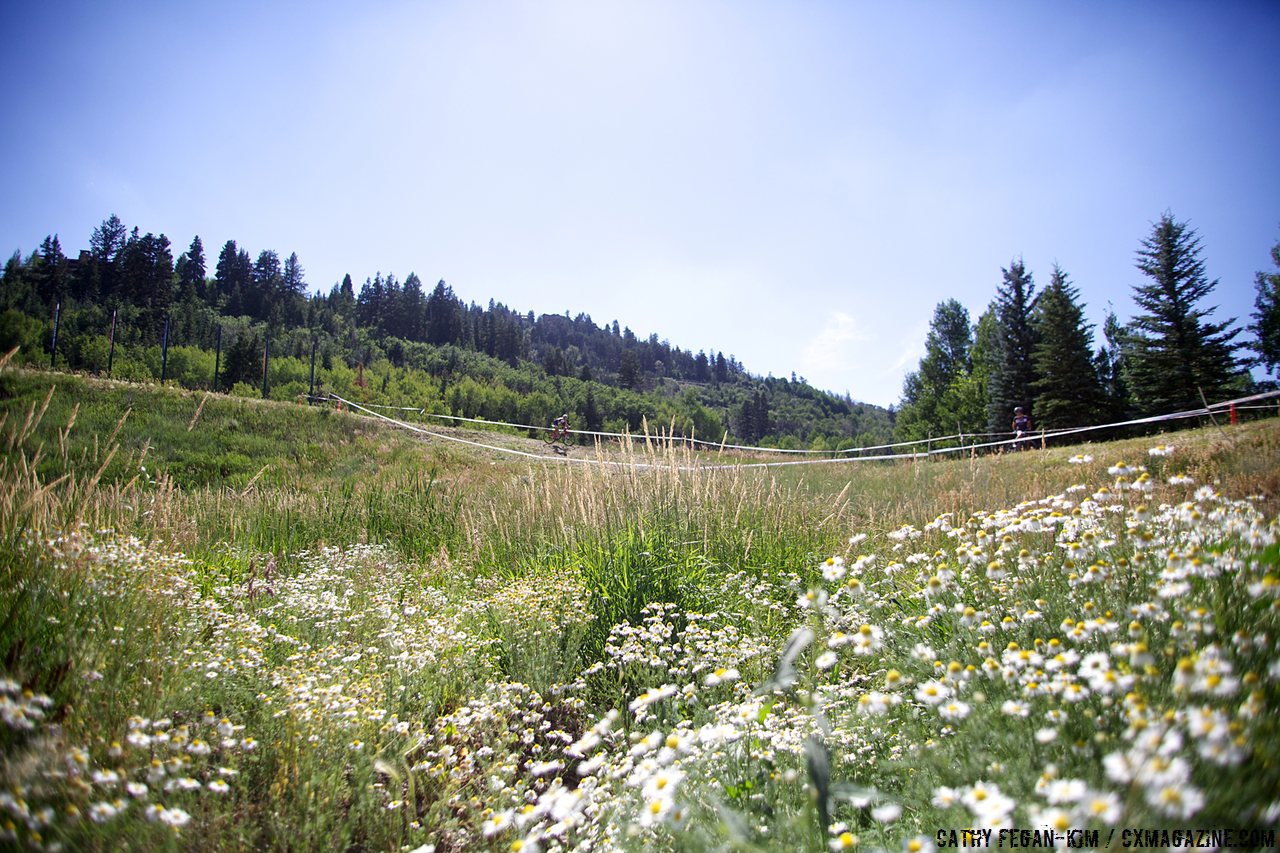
{"points": [[540, 563]]}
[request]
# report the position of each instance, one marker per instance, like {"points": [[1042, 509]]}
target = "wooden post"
{"points": [[111, 349], [1208, 411], [266, 362], [164, 352], [53, 346], [217, 359], [312, 391]]}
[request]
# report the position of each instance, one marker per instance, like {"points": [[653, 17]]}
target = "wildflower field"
{"points": [[236, 625]]}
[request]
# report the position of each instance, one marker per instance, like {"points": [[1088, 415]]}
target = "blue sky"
{"points": [[797, 184]]}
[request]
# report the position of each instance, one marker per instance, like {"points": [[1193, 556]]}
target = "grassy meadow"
{"points": [[232, 624]]}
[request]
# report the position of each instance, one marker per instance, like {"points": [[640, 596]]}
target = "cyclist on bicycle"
{"points": [[560, 427]]}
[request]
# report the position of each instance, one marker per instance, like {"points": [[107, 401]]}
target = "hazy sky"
{"points": [[794, 183]]}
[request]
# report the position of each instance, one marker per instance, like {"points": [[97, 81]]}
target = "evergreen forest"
{"points": [[127, 307]]}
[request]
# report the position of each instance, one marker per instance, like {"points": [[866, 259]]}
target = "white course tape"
{"points": [[1028, 439]]}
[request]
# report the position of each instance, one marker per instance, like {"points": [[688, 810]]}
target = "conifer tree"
{"points": [[108, 239], [146, 274], [444, 315], [191, 299], [1175, 353], [263, 298], [105, 245], [701, 367], [1266, 317], [292, 276], [1013, 367], [1066, 387], [242, 361], [753, 417], [233, 278], [629, 370], [590, 411], [292, 291], [191, 271], [52, 276]]}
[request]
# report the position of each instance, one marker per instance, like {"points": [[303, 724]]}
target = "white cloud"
{"points": [[831, 349], [844, 357], [912, 351]]}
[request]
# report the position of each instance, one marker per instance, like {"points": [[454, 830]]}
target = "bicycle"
{"points": [[559, 431]]}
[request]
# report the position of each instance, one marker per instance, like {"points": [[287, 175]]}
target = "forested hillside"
{"points": [[125, 306]]}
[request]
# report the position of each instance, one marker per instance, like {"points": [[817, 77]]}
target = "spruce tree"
{"points": [[1013, 367], [262, 300], [233, 278], [105, 246], [1175, 353], [108, 239], [1266, 317], [629, 370], [242, 360], [191, 271], [1066, 387], [444, 315], [51, 275], [146, 276], [191, 300], [753, 417], [293, 281], [764, 423], [590, 411]]}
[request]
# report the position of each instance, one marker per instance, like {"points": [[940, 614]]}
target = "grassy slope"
{"points": [[294, 476], [229, 480], [246, 480]]}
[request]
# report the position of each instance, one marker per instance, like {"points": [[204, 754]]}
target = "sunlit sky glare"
{"points": [[797, 184]]}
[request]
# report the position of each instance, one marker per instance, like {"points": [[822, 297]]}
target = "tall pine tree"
{"points": [[146, 275], [233, 278], [51, 274], [191, 298], [1066, 387], [191, 271], [105, 246], [263, 300], [293, 290], [753, 417], [1013, 366], [1266, 317], [1175, 353]]}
